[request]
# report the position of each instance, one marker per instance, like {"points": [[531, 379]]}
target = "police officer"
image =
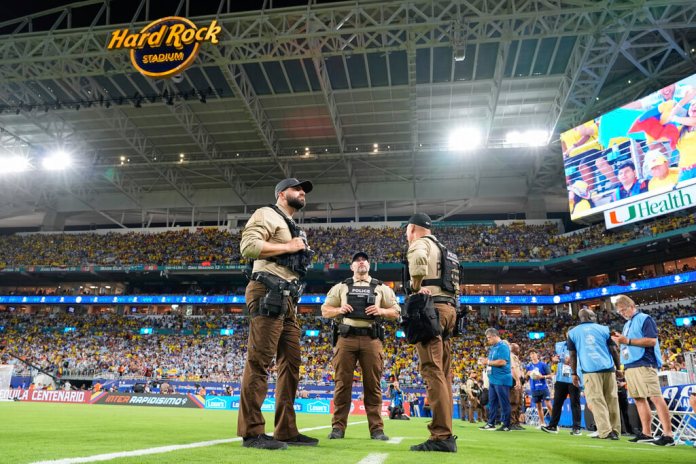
{"points": [[435, 271], [357, 306], [281, 257], [516, 390]]}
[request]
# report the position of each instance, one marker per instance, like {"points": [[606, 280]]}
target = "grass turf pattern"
{"points": [[31, 432]]}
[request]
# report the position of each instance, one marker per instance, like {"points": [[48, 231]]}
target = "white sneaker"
{"points": [[593, 434]]}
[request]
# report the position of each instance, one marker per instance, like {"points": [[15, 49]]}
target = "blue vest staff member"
{"points": [[500, 379], [640, 354], [593, 352], [562, 389], [281, 257]]}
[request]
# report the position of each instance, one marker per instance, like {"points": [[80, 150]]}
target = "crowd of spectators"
{"points": [[190, 348], [212, 246]]}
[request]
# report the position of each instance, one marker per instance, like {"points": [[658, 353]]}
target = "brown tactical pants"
{"points": [[435, 359], [348, 352], [515, 403], [269, 337]]}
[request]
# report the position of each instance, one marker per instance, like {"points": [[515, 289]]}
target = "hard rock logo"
{"points": [[165, 47]]}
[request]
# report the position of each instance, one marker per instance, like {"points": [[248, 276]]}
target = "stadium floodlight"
{"points": [[528, 138], [463, 139], [15, 164], [537, 138], [57, 161]]}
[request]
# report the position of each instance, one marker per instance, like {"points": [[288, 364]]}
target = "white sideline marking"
{"points": [[170, 448], [397, 440], [374, 458], [637, 448]]}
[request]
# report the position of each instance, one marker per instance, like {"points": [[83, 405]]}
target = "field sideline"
{"points": [[34, 432]]}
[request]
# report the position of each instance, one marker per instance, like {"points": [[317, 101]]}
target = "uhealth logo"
{"points": [[164, 47], [651, 207]]}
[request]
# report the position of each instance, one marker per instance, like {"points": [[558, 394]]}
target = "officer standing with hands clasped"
{"points": [[357, 306], [281, 258], [429, 321]]}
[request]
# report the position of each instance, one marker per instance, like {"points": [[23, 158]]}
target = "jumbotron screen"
{"points": [[643, 149]]}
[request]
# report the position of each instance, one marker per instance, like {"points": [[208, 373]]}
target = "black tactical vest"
{"points": [[360, 297], [449, 269], [297, 262]]}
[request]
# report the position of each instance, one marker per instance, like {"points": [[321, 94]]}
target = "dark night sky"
{"points": [[122, 10]]}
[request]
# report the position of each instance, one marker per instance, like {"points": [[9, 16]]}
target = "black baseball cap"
{"points": [[422, 220], [360, 254], [292, 182]]}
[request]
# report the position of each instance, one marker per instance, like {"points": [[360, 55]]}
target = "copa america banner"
{"points": [[46, 396]]}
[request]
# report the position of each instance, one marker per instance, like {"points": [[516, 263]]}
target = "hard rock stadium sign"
{"points": [[164, 47]]}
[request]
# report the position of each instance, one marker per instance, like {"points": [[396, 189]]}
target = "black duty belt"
{"points": [[366, 331], [444, 299]]}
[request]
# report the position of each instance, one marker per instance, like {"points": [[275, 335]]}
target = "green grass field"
{"points": [[31, 432]]}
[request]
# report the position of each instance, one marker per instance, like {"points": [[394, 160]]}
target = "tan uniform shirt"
{"points": [[266, 225], [468, 387], [338, 296], [424, 260], [515, 364]]}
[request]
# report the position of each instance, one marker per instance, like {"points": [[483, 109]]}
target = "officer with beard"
{"points": [[357, 306], [281, 257]]}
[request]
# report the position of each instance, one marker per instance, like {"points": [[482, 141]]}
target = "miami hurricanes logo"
{"points": [[631, 215]]}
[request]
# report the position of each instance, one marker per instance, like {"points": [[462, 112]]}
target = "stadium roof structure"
{"points": [[361, 97]]}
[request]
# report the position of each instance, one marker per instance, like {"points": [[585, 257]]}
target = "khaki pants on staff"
{"points": [[348, 352], [269, 337], [602, 393], [435, 359]]}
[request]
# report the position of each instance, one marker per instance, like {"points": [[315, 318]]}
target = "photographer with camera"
{"points": [[396, 408], [357, 306], [281, 258]]}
